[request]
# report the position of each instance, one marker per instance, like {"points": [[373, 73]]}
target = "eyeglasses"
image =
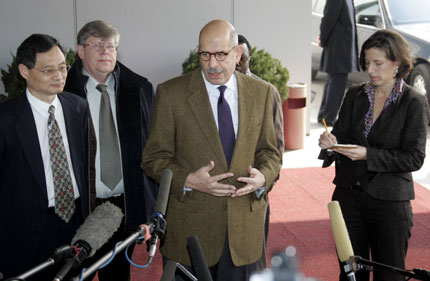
{"points": [[51, 71], [99, 46], [219, 56]]}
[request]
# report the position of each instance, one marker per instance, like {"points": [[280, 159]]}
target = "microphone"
{"points": [[168, 271], [163, 191], [198, 259], [160, 210], [98, 227], [341, 238]]}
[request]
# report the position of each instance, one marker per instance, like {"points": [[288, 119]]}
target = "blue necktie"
{"points": [[225, 125]]}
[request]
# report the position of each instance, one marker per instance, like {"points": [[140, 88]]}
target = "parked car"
{"points": [[410, 18]]}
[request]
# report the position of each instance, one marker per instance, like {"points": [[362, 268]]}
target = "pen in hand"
{"points": [[326, 129]]}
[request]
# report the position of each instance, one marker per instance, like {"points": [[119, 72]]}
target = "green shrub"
{"points": [[191, 63], [13, 82], [261, 64], [271, 70]]}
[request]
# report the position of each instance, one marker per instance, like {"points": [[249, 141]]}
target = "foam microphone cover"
{"points": [[340, 232], [99, 226], [198, 259], [163, 191]]}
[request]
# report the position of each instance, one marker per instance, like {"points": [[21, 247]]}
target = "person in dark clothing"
{"points": [[387, 122], [338, 37], [44, 195], [121, 106]]}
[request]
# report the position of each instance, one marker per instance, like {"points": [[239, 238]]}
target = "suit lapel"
{"points": [[360, 109], [201, 108], [246, 102], [71, 120], [27, 136]]}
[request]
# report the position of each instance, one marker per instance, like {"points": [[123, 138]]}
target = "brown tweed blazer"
{"points": [[183, 138]]}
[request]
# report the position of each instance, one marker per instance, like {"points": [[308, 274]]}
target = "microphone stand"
{"points": [[186, 272], [363, 264], [59, 254], [123, 244], [145, 229]]}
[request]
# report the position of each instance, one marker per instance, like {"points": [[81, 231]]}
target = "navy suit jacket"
{"points": [[23, 194]]}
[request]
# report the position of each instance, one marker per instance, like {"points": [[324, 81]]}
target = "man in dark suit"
{"points": [[120, 105], [44, 195], [338, 37], [214, 129]]}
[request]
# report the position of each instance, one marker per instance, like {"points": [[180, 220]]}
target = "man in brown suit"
{"points": [[278, 123], [219, 183]]}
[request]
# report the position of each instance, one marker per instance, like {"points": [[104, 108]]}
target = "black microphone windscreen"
{"points": [[340, 232], [198, 259], [99, 226], [168, 271], [163, 191]]}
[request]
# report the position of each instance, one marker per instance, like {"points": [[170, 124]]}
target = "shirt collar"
{"points": [[92, 83], [231, 83], [39, 104]]}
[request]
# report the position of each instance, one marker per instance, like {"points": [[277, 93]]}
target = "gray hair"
{"points": [[98, 29], [234, 41]]}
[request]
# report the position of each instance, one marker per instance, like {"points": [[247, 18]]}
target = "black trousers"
{"points": [[377, 228], [119, 268], [334, 90], [224, 270]]}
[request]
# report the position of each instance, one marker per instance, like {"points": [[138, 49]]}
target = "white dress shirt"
{"points": [[93, 97], [41, 115], [231, 95]]}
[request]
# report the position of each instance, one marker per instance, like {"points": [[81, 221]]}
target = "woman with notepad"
{"points": [[378, 140]]}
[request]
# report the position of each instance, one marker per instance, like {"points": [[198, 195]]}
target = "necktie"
{"points": [[110, 170], [64, 194], [225, 125]]}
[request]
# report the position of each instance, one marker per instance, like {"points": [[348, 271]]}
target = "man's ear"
{"points": [[23, 70], [80, 50], [239, 51]]}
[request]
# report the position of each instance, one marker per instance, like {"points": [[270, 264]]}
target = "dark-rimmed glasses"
{"points": [[219, 56]]}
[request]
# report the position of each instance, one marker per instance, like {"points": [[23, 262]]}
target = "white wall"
{"points": [[156, 36]]}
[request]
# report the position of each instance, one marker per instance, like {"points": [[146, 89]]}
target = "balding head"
{"points": [[219, 36], [219, 28]]}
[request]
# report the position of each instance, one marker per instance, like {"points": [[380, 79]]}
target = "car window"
{"points": [[318, 6], [411, 11], [367, 12]]}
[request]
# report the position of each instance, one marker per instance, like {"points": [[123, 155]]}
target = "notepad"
{"points": [[344, 146]]}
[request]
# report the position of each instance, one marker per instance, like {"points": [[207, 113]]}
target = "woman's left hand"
{"points": [[356, 153]]}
